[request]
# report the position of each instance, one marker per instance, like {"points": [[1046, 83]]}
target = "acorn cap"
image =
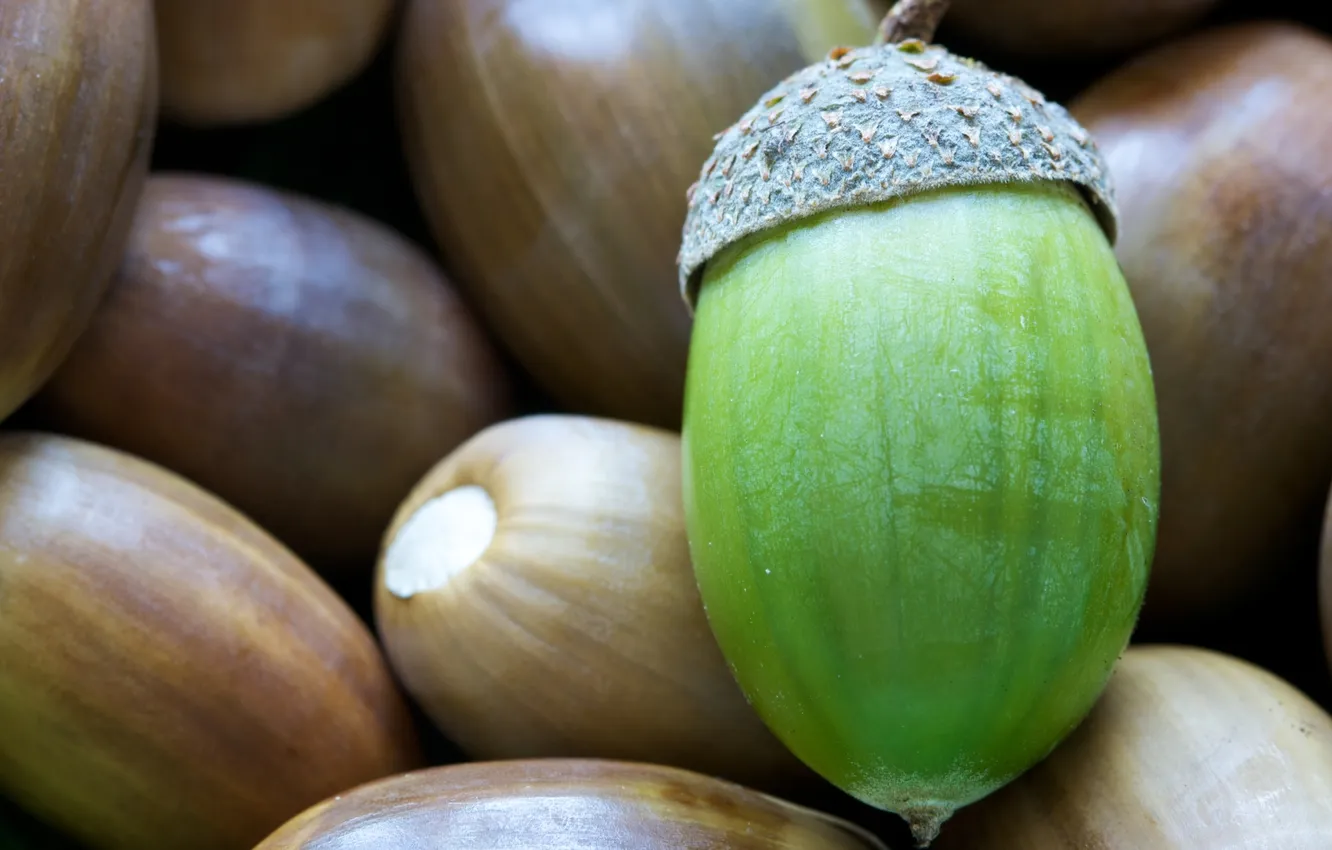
{"points": [[876, 123]]}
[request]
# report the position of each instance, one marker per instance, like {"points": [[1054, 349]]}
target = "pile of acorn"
{"points": [[665, 424]]}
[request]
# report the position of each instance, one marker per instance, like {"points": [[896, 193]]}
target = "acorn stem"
{"points": [[912, 19]]}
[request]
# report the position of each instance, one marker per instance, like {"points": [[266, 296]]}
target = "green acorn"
{"points": [[921, 452]]}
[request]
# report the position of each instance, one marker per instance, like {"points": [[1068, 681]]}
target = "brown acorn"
{"points": [[301, 361], [563, 803], [1221, 149], [1072, 28], [249, 61], [171, 678], [79, 83], [551, 144]]}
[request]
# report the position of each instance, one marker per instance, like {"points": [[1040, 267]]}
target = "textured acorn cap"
{"points": [[877, 123]]}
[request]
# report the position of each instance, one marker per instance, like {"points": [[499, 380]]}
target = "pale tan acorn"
{"points": [[535, 595], [1189, 749]]}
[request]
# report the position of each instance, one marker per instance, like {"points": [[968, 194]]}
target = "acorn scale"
{"points": [[921, 452]]}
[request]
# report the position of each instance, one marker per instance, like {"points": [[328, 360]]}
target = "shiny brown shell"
{"points": [[304, 363], [1220, 145], [551, 144], [559, 803], [80, 94], [249, 61], [171, 677], [1071, 28]]}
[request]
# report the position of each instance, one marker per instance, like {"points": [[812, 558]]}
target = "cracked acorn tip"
{"points": [[921, 460], [535, 595]]}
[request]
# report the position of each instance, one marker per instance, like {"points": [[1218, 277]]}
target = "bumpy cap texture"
{"points": [[877, 123]]}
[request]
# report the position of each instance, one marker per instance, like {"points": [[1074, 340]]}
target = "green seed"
{"points": [[921, 481]]}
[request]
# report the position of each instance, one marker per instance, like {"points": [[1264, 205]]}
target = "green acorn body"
{"points": [[921, 460]]}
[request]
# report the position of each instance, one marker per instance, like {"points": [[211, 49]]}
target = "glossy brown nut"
{"points": [[540, 804], [170, 677], [304, 363], [1072, 28], [535, 595], [1188, 749], [79, 81], [247, 61], [1221, 150], [552, 145]]}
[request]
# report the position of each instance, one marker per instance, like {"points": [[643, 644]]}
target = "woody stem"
{"points": [[912, 19]]}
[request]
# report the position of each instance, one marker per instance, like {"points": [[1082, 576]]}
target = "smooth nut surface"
{"points": [[305, 363], [535, 594], [79, 81], [1188, 749], [1221, 150], [1075, 28], [536, 805], [551, 143], [170, 677], [246, 61]]}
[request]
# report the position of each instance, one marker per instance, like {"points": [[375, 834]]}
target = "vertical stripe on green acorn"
{"points": [[921, 481]]}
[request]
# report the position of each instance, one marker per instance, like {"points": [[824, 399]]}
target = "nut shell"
{"points": [[579, 630], [938, 502], [551, 144], [1072, 28], [302, 362], [562, 803], [228, 62], [1187, 749], [170, 677], [78, 83], [875, 124], [1221, 147]]}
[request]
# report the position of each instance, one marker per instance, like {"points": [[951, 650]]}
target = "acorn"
{"points": [[1073, 28], [1187, 749], [171, 678], [535, 596], [921, 460], [227, 62], [79, 80], [301, 361], [563, 803], [1221, 147], [550, 144]]}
